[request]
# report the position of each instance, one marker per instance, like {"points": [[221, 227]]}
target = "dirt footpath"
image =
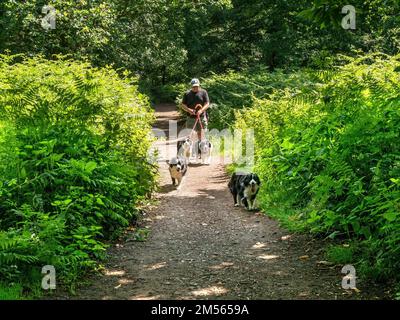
{"points": [[202, 247]]}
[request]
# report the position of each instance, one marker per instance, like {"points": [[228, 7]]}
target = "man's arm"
{"points": [[187, 109], [184, 105], [206, 103], [205, 107]]}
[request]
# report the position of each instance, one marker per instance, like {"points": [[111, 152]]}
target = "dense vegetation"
{"points": [[74, 125], [333, 155], [168, 41], [73, 140], [327, 150]]}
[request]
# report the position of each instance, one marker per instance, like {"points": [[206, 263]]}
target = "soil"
{"points": [[202, 247]]}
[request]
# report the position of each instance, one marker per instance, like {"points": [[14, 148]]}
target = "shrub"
{"points": [[234, 91], [73, 149], [330, 155]]}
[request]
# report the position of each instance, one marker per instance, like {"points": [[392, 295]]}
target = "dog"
{"points": [[244, 189], [185, 148], [177, 169], [205, 149]]}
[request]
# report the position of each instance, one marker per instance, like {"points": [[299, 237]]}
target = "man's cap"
{"points": [[195, 82]]}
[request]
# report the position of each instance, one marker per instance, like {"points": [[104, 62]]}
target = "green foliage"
{"points": [[233, 91], [82, 28], [141, 234], [340, 254], [13, 292], [106, 32], [168, 93], [74, 138], [166, 42], [73, 150], [328, 151]]}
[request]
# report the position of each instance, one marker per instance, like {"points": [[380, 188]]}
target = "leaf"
{"points": [[286, 144], [56, 156], [100, 202], [90, 166], [390, 216], [395, 181]]}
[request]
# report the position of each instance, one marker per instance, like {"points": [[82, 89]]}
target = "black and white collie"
{"points": [[205, 150], [185, 149], [177, 169], [244, 188]]}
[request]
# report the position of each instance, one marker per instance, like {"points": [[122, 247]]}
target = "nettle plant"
{"points": [[73, 167]]}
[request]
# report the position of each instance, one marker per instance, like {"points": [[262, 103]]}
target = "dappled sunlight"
{"points": [[194, 190], [210, 291], [280, 273], [185, 193], [145, 297], [159, 217], [268, 257], [259, 245], [222, 265], [115, 273], [125, 281], [155, 266]]}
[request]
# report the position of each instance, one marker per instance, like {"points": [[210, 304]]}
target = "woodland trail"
{"points": [[201, 247]]}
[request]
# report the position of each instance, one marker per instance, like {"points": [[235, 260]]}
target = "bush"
{"points": [[169, 93], [238, 90], [340, 254], [73, 169], [330, 155]]}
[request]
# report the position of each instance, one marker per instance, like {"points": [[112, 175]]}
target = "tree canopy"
{"points": [[163, 41]]}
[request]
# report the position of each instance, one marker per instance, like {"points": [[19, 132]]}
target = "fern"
{"points": [[10, 252]]}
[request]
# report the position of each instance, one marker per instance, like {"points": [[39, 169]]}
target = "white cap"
{"points": [[195, 82]]}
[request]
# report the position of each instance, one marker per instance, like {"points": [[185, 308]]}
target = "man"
{"points": [[192, 98]]}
